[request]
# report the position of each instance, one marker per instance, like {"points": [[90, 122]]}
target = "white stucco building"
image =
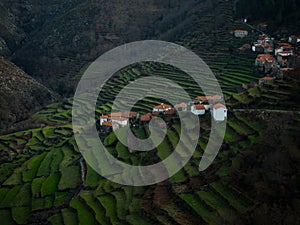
{"points": [[219, 112], [181, 107], [198, 109], [162, 108], [240, 33]]}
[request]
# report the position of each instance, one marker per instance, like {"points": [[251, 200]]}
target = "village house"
{"points": [[266, 80], [199, 99], [162, 108], [198, 109], [263, 26], [284, 72], [119, 118], [103, 119], [265, 62], [207, 99], [219, 112], [293, 39], [170, 112], [146, 118], [282, 57], [244, 48], [121, 121], [181, 107], [240, 33], [282, 47], [214, 98], [264, 44]]}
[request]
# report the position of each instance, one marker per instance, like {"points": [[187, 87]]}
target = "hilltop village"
{"points": [[198, 106], [275, 57]]}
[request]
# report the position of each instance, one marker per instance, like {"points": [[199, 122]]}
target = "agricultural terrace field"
{"points": [[41, 179]]}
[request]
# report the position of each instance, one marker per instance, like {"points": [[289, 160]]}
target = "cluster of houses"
{"points": [[199, 106], [273, 60]]}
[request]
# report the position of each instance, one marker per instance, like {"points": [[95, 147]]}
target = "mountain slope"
{"points": [[20, 94], [56, 48]]}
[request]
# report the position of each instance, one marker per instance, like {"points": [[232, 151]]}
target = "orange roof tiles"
{"points": [[115, 114], [181, 105], [129, 114], [118, 118], [199, 107], [219, 105], [202, 98], [263, 25], [267, 78], [108, 124], [146, 117], [240, 31], [170, 112], [162, 106], [265, 57], [214, 97]]}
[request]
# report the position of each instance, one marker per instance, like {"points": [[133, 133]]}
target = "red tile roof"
{"points": [[263, 25], [108, 124], [129, 114], [199, 107], [103, 117], [162, 106], [181, 105], [265, 58], [202, 98], [240, 31], [115, 114], [146, 117], [219, 105], [267, 78], [170, 112], [118, 118], [214, 97]]}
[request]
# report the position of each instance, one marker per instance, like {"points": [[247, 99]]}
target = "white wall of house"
{"points": [[241, 34], [158, 110], [197, 112], [120, 122], [219, 114], [102, 120]]}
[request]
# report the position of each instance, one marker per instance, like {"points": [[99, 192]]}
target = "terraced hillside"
{"points": [[45, 180]]}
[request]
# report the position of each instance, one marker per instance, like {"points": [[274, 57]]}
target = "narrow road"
{"points": [[265, 110], [82, 170]]}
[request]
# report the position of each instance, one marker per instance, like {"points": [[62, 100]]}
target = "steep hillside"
{"points": [[58, 40], [279, 13], [20, 94]]}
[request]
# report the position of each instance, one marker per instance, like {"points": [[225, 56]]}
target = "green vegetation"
{"points": [[49, 187], [70, 177]]}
